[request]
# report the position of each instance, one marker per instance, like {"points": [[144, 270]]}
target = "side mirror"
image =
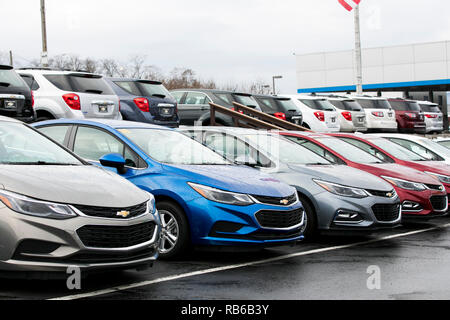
{"points": [[114, 160]]}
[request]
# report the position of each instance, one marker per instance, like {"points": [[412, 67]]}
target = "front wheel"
{"points": [[175, 230], [310, 228]]}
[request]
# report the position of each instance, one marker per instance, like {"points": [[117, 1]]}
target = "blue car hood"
{"points": [[239, 179]]}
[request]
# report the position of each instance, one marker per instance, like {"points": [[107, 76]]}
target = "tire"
{"points": [[174, 225], [310, 231]]}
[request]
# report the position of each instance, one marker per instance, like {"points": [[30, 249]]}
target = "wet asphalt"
{"points": [[414, 264]]}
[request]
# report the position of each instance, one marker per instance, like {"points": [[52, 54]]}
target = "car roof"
{"points": [[366, 97], [272, 96], [429, 103], [134, 80], [115, 124], [213, 91], [55, 72]]}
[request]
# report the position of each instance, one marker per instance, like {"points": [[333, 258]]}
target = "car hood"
{"points": [[233, 178], [344, 175], [401, 172], [83, 185]]}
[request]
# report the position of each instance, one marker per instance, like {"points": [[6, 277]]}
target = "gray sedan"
{"points": [[335, 197]]}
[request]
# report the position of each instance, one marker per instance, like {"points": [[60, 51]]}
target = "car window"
{"points": [[430, 108], [234, 149], [196, 98], [403, 105], [225, 97], [316, 149], [246, 100], [178, 95], [10, 78], [445, 144], [57, 133], [129, 86], [30, 81], [417, 148], [287, 105], [368, 148], [348, 151], [267, 104], [374, 104], [323, 105], [80, 83], [92, 144]]}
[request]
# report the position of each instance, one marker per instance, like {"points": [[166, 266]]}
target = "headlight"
{"points": [[441, 177], [221, 196], [151, 204], [32, 207], [404, 184], [342, 190]]}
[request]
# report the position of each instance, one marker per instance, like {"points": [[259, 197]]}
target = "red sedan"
{"points": [[421, 194]]}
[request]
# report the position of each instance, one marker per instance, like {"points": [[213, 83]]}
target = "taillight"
{"points": [[431, 116], [347, 115], [411, 115], [240, 111], [72, 100], [142, 104], [378, 114], [280, 115], [320, 115], [32, 98]]}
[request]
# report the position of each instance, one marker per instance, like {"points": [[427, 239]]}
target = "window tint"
{"points": [[151, 89], [11, 79], [246, 100], [92, 144], [417, 148], [196, 98], [80, 83], [30, 82], [267, 104], [129, 86], [322, 105], [402, 105], [287, 105], [430, 108], [374, 104], [57, 133], [225, 97]]}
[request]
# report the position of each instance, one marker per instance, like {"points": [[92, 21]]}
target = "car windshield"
{"points": [[9, 78], [445, 143], [374, 103], [21, 145], [436, 147], [172, 147], [323, 105], [246, 100], [430, 108], [348, 150], [284, 150], [395, 150]]}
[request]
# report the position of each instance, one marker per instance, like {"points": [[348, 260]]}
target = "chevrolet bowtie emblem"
{"points": [[123, 214], [284, 201]]}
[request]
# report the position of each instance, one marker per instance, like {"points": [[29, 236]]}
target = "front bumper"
{"points": [[423, 199], [329, 206], [32, 244], [216, 224]]}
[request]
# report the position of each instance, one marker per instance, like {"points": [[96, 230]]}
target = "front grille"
{"points": [[386, 212], [279, 219], [262, 235], [439, 203], [112, 257], [115, 236], [112, 213], [277, 201], [384, 194], [438, 187]]}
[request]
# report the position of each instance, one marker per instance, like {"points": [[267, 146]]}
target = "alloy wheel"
{"points": [[169, 233]]}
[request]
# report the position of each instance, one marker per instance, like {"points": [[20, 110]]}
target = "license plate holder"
{"points": [[166, 111], [103, 108], [10, 104]]}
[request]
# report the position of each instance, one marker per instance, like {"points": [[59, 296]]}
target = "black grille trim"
{"points": [[276, 201], [437, 187], [439, 203], [109, 237], [384, 194], [386, 212], [279, 219], [111, 213]]}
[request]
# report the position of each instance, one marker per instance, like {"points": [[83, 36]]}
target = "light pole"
{"points": [[44, 57], [273, 79]]}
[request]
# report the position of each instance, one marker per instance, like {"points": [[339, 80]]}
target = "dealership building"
{"points": [[419, 71]]}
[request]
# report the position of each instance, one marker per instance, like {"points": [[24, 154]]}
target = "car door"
{"points": [[92, 143], [195, 104]]}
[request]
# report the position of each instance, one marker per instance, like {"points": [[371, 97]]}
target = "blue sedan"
{"points": [[203, 199]]}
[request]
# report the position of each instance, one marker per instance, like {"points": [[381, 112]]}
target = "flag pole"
{"points": [[358, 54]]}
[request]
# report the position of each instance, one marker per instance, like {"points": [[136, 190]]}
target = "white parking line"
{"points": [[240, 265]]}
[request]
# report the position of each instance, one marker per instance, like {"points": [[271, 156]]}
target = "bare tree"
{"points": [[90, 65], [109, 67]]}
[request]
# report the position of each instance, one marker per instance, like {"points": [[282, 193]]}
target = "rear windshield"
{"points": [[268, 104], [402, 105], [430, 108], [287, 105], [323, 105], [10, 79], [80, 83], [246, 100], [146, 89], [374, 104], [349, 105]]}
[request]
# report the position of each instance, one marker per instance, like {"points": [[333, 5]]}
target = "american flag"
{"points": [[349, 4]]}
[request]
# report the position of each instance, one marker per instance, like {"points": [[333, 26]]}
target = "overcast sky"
{"points": [[229, 41]]}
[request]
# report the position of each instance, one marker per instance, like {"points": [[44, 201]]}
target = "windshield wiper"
{"points": [[5, 84], [94, 91], [40, 163]]}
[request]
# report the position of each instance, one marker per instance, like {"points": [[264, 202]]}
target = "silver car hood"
{"points": [[339, 174], [83, 185]]}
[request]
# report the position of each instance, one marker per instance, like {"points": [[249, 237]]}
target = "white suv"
{"points": [[318, 113], [379, 113], [352, 116], [70, 94], [434, 118]]}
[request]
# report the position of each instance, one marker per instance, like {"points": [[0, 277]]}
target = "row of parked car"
{"points": [[59, 94], [107, 194]]}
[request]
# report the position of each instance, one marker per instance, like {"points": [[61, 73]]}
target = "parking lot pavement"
{"points": [[412, 262]]}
